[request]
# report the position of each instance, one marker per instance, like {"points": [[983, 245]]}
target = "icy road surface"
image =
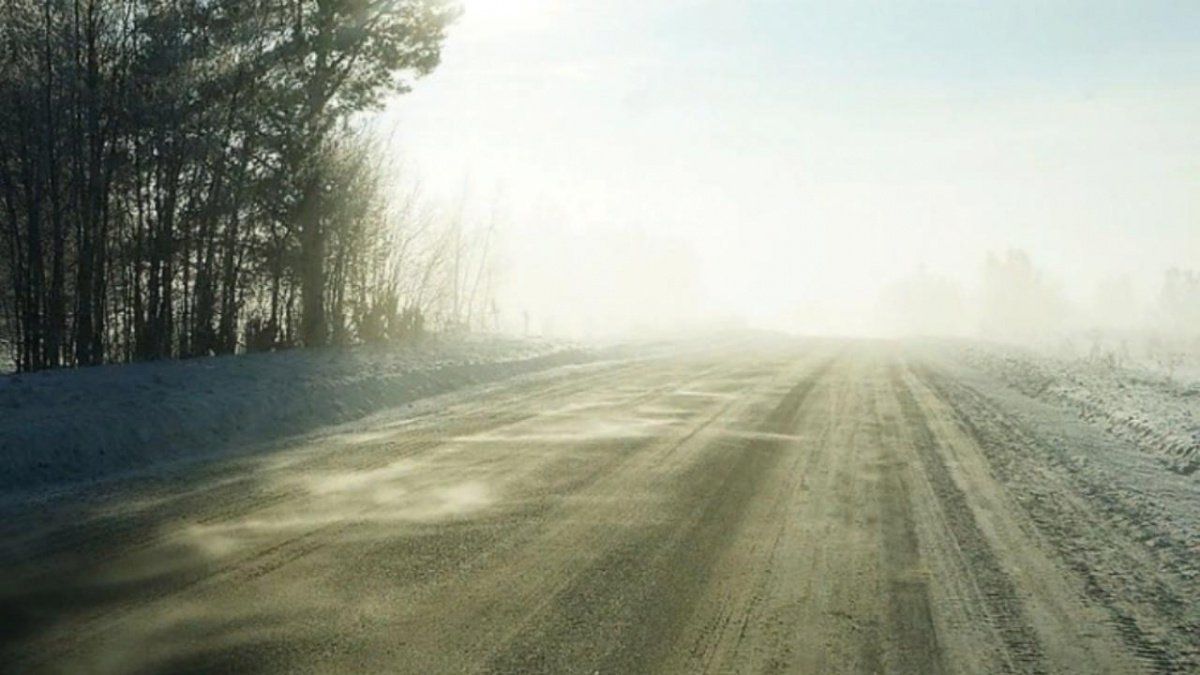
{"points": [[760, 507]]}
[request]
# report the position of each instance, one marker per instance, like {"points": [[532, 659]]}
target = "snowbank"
{"points": [[73, 425], [1159, 416]]}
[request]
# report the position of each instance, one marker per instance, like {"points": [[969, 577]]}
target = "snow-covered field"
{"points": [[1158, 414], [68, 426]]}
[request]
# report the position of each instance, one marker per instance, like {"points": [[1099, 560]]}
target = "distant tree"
{"points": [[1179, 301], [923, 303], [1018, 301]]}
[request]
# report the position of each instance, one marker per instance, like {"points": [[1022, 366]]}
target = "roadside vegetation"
{"points": [[182, 179]]}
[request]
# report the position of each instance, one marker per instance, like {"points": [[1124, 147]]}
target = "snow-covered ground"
{"points": [[1158, 414], [68, 426]]}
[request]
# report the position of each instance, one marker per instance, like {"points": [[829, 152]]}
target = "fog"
{"points": [[1021, 170]]}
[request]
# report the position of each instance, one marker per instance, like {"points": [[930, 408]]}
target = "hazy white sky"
{"points": [[783, 160]]}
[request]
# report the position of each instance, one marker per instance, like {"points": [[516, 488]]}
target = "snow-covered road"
{"points": [[757, 505]]}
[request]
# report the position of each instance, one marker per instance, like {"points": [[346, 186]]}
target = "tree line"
{"points": [[190, 177]]}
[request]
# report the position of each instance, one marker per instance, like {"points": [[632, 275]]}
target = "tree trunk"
{"points": [[313, 326]]}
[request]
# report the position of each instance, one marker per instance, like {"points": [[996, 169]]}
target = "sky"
{"points": [[779, 163]]}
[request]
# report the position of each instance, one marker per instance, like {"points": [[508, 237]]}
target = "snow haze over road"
{"points": [[781, 162]]}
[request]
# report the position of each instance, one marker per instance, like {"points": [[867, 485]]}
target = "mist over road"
{"points": [[758, 505]]}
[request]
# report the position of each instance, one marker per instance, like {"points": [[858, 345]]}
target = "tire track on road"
{"points": [[909, 613], [1053, 515], [1004, 606], [644, 588]]}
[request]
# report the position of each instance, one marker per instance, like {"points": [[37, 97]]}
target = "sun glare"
{"points": [[495, 18]]}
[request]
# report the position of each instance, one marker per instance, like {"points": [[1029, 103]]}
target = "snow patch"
{"points": [[72, 426], [1158, 415]]}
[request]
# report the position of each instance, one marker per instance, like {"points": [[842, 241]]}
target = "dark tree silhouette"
{"points": [[174, 174]]}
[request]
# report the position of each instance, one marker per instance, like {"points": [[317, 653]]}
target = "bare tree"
{"points": [[178, 178]]}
